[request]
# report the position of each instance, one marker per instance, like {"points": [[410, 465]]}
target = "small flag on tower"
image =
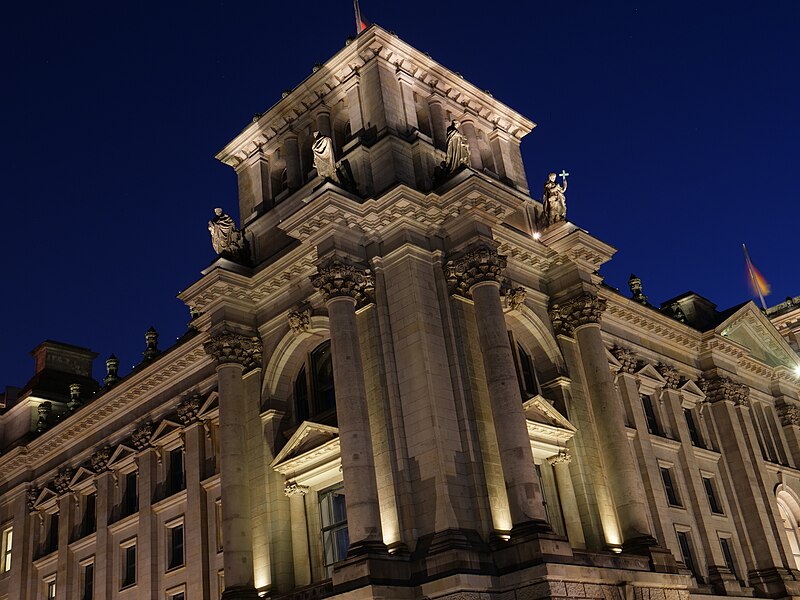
{"points": [[758, 284], [361, 24]]}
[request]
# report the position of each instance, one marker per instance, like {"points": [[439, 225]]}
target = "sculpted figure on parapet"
{"points": [[225, 237], [324, 159], [457, 148], [554, 202]]}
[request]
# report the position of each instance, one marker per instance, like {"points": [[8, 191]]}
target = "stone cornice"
{"points": [[338, 278], [584, 309], [233, 348], [478, 264]]}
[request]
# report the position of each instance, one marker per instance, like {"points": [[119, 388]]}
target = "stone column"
{"points": [[580, 317], [353, 90], [146, 538], [343, 285], [195, 529], [291, 152], [475, 160], [105, 501], [438, 123], [66, 521], [300, 550], [566, 496], [406, 81], [478, 272], [234, 354], [324, 122]]}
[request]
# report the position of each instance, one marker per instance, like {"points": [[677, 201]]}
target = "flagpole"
{"points": [[753, 277], [357, 8]]}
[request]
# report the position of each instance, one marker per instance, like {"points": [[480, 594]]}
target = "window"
{"points": [[686, 552], [5, 549], [50, 586], [175, 545], [177, 596], [51, 541], [335, 537], [89, 522], [314, 394], [727, 554], [130, 494], [544, 499], [128, 563], [650, 415], [694, 432], [175, 478], [790, 530], [221, 582], [716, 507], [526, 374], [218, 514], [669, 487], [87, 578]]}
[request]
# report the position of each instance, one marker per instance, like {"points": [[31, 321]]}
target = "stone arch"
{"points": [[537, 338], [789, 512]]}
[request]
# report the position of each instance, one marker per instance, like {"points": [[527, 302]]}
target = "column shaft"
{"points": [[300, 553], [102, 562], [195, 524]]}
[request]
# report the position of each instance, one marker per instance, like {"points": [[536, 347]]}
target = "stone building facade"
{"points": [[402, 390]]}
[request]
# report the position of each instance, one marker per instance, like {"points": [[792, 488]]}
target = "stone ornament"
{"points": [[324, 158], [457, 148], [226, 239], [74, 397], [563, 457], [554, 201], [515, 298], [789, 414], [584, 309], [479, 264], [99, 459], [299, 321], [230, 348], [627, 359], [188, 409], [112, 371], [338, 278], [670, 374], [724, 389], [30, 498], [635, 285], [62, 479], [42, 423], [151, 344], [292, 488], [140, 437]]}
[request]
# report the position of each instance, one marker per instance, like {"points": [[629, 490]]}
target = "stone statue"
{"points": [[554, 202], [225, 238], [457, 148], [324, 159]]}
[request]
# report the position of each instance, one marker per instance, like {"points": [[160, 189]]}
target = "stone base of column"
{"points": [[367, 547], [530, 543], [661, 559], [450, 551], [725, 582], [774, 582], [366, 568], [240, 593]]}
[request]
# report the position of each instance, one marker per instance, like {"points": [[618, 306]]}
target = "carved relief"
{"points": [[62, 479], [31, 497], [563, 457], [299, 321], [292, 488], [627, 359], [99, 459], [670, 375], [515, 297], [789, 414], [338, 278], [234, 348], [725, 389], [480, 263], [188, 408], [581, 310], [140, 437]]}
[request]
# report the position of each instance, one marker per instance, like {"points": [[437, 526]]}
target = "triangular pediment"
{"points": [[751, 329], [539, 410], [690, 389], [45, 498], [122, 454], [308, 436], [210, 405], [648, 371], [165, 432], [82, 478]]}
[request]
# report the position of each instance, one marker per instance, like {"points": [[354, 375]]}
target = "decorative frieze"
{"points": [[724, 389], [627, 359], [563, 457], [292, 488], [671, 376], [584, 309], [140, 437], [299, 321], [338, 278], [62, 479], [99, 459], [789, 414], [515, 297], [479, 264], [188, 409], [235, 348]]}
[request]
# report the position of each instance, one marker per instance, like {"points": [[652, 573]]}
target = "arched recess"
{"points": [[289, 356], [536, 337], [789, 511]]}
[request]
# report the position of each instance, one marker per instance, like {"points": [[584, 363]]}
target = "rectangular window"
{"points": [[669, 487], [130, 495], [89, 522], [175, 478], [177, 596], [5, 549], [221, 582], [335, 537], [727, 554], [51, 542], [218, 514], [88, 582], [175, 550], [128, 565], [694, 432], [51, 589], [686, 552], [716, 507], [544, 500], [650, 415]]}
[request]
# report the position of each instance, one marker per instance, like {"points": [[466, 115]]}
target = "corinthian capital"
{"points": [[229, 348], [789, 414], [478, 264], [581, 310], [725, 389], [292, 488], [338, 278]]}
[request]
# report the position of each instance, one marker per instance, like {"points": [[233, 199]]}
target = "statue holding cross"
{"points": [[554, 202]]}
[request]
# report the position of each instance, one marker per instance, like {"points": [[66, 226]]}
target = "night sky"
{"points": [[678, 122]]}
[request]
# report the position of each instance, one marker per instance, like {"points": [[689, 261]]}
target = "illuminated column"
{"points": [[343, 286], [235, 353], [300, 558], [566, 495], [475, 160], [438, 122], [105, 490], [580, 317], [479, 272], [406, 81], [66, 516], [291, 152], [147, 544]]}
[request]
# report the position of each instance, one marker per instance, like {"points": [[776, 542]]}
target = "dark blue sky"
{"points": [[678, 121]]}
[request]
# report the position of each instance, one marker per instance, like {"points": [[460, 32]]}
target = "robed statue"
{"points": [[554, 201], [457, 148], [324, 158], [225, 237]]}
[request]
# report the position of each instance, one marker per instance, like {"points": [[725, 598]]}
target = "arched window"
{"points": [[526, 373], [314, 393], [790, 526]]}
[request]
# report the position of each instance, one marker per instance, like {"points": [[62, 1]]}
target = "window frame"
{"points": [[651, 416], [126, 565], [6, 547], [674, 498], [169, 528], [328, 532], [683, 534], [712, 494], [314, 397], [87, 593]]}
